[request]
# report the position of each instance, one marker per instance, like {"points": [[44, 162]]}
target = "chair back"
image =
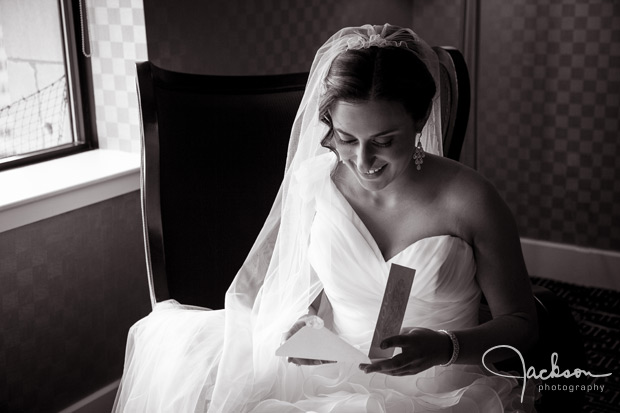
{"points": [[214, 150], [455, 99]]}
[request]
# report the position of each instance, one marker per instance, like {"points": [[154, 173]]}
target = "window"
{"points": [[46, 98]]}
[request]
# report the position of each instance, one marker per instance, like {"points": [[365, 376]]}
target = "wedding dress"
{"points": [[185, 359], [173, 354]]}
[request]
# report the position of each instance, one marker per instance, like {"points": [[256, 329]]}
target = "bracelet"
{"points": [[455, 348]]}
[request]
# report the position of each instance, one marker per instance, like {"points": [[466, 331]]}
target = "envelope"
{"points": [[319, 343]]}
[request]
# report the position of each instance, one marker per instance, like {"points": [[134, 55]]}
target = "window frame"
{"points": [[80, 89]]}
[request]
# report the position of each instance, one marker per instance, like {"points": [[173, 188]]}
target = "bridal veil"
{"points": [[276, 284]]}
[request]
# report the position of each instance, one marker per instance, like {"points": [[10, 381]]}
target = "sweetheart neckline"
{"points": [[374, 245], [430, 237]]}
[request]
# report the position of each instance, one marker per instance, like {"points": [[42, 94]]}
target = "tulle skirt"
{"points": [[173, 355]]}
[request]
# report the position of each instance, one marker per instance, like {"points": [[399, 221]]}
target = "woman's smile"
{"points": [[374, 172]]}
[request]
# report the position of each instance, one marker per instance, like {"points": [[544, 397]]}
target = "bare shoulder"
{"points": [[471, 199]]}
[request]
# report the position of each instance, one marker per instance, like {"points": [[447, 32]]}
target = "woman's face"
{"points": [[375, 140]]}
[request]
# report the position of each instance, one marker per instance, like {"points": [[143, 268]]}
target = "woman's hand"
{"points": [[308, 319], [422, 348]]}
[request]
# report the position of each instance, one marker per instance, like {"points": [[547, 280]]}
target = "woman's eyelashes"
{"points": [[345, 141], [382, 143]]}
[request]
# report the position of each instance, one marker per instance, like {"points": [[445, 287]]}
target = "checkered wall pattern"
{"points": [[118, 40], [548, 110], [439, 23], [239, 37], [549, 116]]}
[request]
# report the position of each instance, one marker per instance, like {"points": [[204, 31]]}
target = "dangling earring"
{"points": [[419, 154]]}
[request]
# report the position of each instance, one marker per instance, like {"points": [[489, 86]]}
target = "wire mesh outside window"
{"points": [[41, 101], [36, 122]]}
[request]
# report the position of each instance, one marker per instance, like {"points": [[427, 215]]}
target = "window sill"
{"points": [[35, 192]]}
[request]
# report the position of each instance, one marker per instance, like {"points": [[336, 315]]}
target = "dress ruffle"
{"points": [[172, 362]]}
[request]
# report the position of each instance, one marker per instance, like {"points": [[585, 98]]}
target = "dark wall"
{"points": [[440, 23], [70, 288], [547, 114], [549, 126], [241, 37]]}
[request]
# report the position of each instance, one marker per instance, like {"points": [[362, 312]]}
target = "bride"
{"points": [[365, 187]]}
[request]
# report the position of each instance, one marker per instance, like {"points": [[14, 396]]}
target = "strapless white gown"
{"points": [[173, 354]]}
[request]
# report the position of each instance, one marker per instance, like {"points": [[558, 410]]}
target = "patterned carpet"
{"points": [[597, 313]]}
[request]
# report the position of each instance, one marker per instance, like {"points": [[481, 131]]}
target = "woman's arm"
{"points": [[501, 274]]}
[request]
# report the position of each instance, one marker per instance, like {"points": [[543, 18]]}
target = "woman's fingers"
{"points": [[391, 367], [300, 362], [395, 363], [295, 328], [307, 362], [396, 341]]}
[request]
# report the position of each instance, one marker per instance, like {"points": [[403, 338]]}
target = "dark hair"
{"points": [[377, 73]]}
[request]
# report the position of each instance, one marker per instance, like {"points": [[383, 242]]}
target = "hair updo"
{"points": [[377, 73]]}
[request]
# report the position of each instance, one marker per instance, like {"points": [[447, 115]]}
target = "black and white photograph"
{"points": [[309, 206]]}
